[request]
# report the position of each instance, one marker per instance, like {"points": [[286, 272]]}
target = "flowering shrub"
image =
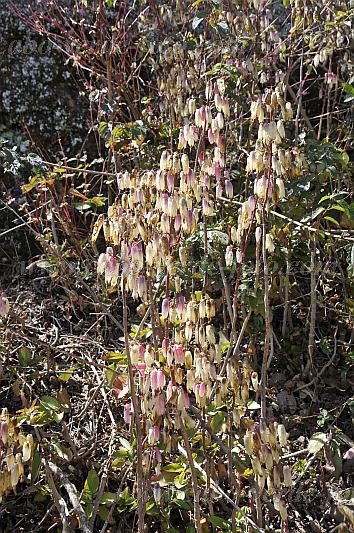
{"points": [[222, 177]]}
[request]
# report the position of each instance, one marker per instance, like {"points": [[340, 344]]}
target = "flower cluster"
{"points": [[264, 445], [15, 450]]}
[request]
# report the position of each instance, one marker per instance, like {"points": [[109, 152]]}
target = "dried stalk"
{"points": [[116, 498], [135, 402], [286, 296], [217, 488], [192, 465], [313, 307], [72, 493], [59, 501], [226, 290], [268, 331]]}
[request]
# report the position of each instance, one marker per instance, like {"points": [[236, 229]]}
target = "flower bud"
{"points": [[210, 334], [281, 188], [282, 435], [248, 441], [15, 475], [191, 106], [256, 466], [229, 189], [269, 243], [258, 234], [229, 256], [26, 451], [288, 482], [165, 308]]}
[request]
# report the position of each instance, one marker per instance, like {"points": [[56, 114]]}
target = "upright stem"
{"points": [[135, 402], [286, 295], [313, 307], [267, 320], [193, 476]]}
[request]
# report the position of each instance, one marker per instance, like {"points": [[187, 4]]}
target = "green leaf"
{"points": [[92, 483], [181, 480], [67, 374], [330, 219], [349, 90], [316, 442], [50, 403], [108, 498], [151, 509], [182, 504], [103, 513], [218, 522], [99, 201], [62, 451], [36, 463], [198, 19], [24, 356], [29, 186], [173, 467], [217, 421], [339, 208], [125, 443]]}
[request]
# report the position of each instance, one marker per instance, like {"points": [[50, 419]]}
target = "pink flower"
{"points": [[165, 308], [127, 413], [112, 271], [160, 379], [178, 352], [141, 368], [153, 379], [180, 305], [159, 408], [229, 189]]}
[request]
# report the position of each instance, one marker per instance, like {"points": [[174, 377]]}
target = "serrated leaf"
{"points": [[316, 442], [347, 513], [253, 405], [314, 214]]}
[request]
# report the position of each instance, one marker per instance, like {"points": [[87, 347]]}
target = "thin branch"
{"points": [[222, 493], [59, 501], [188, 453], [72, 493], [135, 402]]}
